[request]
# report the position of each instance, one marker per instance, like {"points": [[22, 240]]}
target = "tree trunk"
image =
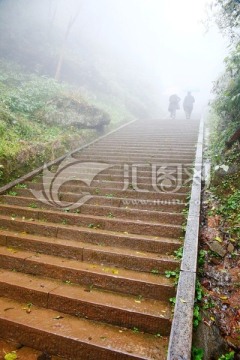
{"points": [[64, 45]]}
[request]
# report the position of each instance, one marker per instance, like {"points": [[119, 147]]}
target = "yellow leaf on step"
{"points": [[182, 300], [12, 250]]}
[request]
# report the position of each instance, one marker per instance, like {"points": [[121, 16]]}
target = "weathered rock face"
{"points": [[207, 337], [221, 173], [67, 111]]}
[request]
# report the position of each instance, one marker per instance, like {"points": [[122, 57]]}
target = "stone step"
{"points": [[72, 193], [45, 328], [174, 206], [151, 147], [73, 222], [125, 152], [126, 258], [143, 177], [123, 141], [147, 315], [72, 218], [150, 285], [87, 280], [99, 201], [93, 236], [143, 170], [117, 159], [106, 184]]}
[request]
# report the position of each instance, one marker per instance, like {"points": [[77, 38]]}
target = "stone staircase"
{"points": [[89, 282]]}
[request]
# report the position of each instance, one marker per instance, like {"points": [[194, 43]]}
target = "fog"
{"points": [[164, 41], [159, 45]]}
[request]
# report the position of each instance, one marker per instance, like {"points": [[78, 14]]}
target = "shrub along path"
{"points": [[88, 282]]}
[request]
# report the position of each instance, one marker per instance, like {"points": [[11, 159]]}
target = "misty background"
{"points": [[138, 51]]}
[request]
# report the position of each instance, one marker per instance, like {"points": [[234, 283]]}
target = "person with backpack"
{"points": [[173, 105]]}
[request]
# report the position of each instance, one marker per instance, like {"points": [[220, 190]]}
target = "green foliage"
{"points": [[227, 16], [229, 356], [208, 303], [197, 353], [110, 215], [201, 257], [135, 330], [173, 300], [196, 310], [25, 93], [155, 271], [196, 316], [21, 186], [228, 195], [198, 291], [12, 193], [225, 118], [25, 140], [179, 253], [231, 204], [173, 274], [33, 205], [224, 122]]}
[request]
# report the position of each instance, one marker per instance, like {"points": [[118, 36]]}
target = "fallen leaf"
{"points": [[10, 356], [12, 250], [218, 239], [182, 300], [103, 337]]}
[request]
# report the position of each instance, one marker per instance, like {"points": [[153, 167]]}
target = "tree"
{"points": [[227, 17], [70, 24]]}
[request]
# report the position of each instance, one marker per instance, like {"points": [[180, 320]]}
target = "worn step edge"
{"points": [[50, 219], [103, 211], [72, 191], [109, 278], [95, 237], [75, 338], [99, 254], [118, 171], [182, 184], [121, 203], [147, 315], [116, 160]]}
